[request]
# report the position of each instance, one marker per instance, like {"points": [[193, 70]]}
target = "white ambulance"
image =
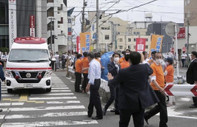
{"points": [[28, 65]]}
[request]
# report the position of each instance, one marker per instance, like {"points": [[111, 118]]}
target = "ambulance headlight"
{"points": [[8, 74], [48, 74]]}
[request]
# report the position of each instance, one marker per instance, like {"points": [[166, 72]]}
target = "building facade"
{"points": [[4, 24], [57, 21], [190, 21]]}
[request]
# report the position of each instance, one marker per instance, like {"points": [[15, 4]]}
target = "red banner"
{"points": [[78, 44], [32, 26], [140, 44], [181, 33]]}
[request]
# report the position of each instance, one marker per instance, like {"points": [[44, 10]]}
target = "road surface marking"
{"points": [[46, 115], [62, 102], [52, 94], [49, 123], [52, 98], [60, 91], [44, 108], [14, 104]]}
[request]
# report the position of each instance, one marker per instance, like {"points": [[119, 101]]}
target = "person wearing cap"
{"points": [[169, 77]]}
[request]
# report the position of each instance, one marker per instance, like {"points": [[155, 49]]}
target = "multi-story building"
{"points": [[57, 24], [190, 18], [4, 24], [48, 18]]}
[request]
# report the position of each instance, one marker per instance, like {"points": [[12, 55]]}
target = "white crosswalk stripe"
{"points": [[50, 123], [59, 103]]}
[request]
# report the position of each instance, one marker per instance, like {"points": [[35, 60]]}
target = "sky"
{"points": [[162, 10]]}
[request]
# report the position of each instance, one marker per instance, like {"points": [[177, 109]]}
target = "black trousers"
{"points": [[95, 100], [138, 118], [77, 81], [113, 96], [159, 108], [85, 81], [183, 62], [195, 101]]}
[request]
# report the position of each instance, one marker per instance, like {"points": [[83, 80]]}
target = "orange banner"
{"points": [[156, 43], [85, 40]]}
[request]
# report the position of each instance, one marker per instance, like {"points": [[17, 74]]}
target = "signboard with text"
{"points": [[12, 22], [156, 43], [181, 34], [32, 26], [85, 39], [140, 44]]}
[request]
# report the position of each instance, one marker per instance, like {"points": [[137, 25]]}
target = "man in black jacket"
{"points": [[113, 68], [192, 75], [135, 92]]}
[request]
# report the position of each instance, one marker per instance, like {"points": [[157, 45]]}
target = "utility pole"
{"points": [[97, 25], [83, 16], [51, 34], [188, 34]]}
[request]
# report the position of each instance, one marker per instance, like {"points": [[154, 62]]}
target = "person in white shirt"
{"points": [[94, 76], [183, 58]]}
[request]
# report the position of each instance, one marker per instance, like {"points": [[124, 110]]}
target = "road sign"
{"points": [[170, 29]]}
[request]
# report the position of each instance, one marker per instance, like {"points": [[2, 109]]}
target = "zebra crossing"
{"points": [[60, 107]]}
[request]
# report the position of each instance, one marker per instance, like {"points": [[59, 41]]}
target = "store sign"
{"points": [[181, 34], [12, 22], [32, 26], [140, 44]]}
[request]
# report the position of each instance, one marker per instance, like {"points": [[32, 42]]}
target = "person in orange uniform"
{"points": [[85, 66], [169, 77], [125, 63], [157, 84], [151, 60], [124, 53], [78, 69]]}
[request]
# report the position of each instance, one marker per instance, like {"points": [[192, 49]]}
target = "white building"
{"points": [[57, 25]]}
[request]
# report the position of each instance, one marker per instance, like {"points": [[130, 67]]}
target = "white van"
{"points": [[28, 65]]}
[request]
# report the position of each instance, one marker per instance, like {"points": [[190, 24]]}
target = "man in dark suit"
{"points": [[192, 75], [113, 68], [135, 92]]}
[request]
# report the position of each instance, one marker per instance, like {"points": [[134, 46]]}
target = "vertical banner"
{"points": [[181, 34], [85, 39], [32, 26], [156, 43], [78, 44], [12, 22], [140, 44]]}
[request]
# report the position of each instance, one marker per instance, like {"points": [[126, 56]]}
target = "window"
{"points": [[120, 39], [134, 39], [50, 12], [69, 21], [120, 47], [106, 37], [129, 47], [61, 21], [50, 26], [61, 7], [129, 39], [50, 1], [105, 28]]}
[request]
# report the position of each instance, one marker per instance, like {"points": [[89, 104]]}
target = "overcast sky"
{"points": [[162, 10]]}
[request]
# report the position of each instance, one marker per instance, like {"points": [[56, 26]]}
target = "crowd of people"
{"points": [[136, 81]]}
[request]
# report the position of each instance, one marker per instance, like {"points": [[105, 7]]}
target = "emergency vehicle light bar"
{"points": [[29, 40]]}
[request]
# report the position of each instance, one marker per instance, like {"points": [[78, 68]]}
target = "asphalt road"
{"points": [[63, 107]]}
